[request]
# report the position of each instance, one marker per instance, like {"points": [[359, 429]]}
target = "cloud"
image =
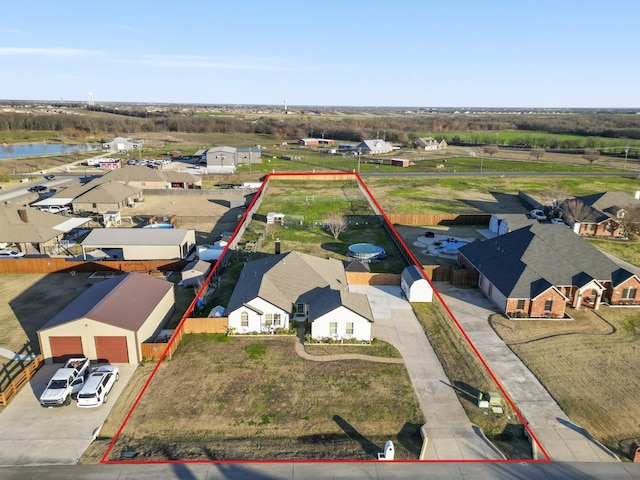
{"points": [[196, 61], [46, 52]]}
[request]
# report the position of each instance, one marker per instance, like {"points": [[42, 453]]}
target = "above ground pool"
{"points": [[159, 225], [366, 252]]}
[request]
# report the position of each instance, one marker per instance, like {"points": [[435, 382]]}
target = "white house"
{"points": [[415, 286], [373, 147], [294, 286]]}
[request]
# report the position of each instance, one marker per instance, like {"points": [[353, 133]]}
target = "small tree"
{"points": [[335, 223], [591, 155], [575, 210], [631, 220], [537, 153], [490, 149]]}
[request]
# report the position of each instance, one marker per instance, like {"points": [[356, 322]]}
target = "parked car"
{"points": [[49, 177], [557, 221], [65, 383], [55, 209], [11, 254], [537, 214], [37, 188], [97, 387]]}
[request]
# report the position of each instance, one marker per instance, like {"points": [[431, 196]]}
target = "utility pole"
{"points": [[626, 153]]}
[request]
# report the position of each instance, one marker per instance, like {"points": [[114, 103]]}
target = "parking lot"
{"points": [[32, 435]]}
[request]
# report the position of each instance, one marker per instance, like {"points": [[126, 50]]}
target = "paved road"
{"points": [[331, 470], [562, 439], [450, 434]]}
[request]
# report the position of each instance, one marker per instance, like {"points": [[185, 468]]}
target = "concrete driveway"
{"points": [[561, 438], [32, 435], [451, 436]]}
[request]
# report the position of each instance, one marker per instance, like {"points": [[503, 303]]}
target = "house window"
{"points": [[300, 309], [268, 319], [520, 305], [277, 319], [244, 319], [333, 328], [548, 305], [349, 328], [629, 293]]}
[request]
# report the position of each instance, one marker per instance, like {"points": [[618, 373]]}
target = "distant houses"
{"points": [[429, 143], [122, 144], [373, 147], [226, 159]]}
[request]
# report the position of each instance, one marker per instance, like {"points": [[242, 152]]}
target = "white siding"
{"points": [[342, 316], [256, 321], [496, 296]]}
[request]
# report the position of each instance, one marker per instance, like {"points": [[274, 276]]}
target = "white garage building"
{"points": [[110, 320], [140, 243]]}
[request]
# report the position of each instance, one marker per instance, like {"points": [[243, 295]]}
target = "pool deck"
{"points": [[430, 249]]}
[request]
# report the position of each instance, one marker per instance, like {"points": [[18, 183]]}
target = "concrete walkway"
{"points": [[562, 440], [450, 434]]}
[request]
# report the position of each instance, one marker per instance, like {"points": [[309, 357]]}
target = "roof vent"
{"points": [[22, 213]]}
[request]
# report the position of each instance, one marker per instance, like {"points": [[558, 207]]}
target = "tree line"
{"points": [[398, 129]]}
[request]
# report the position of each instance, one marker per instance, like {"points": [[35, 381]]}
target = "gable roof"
{"points": [[39, 226], [293, 277], [198, 266], [527, 261], [108, 192], [411, 274], [104, 237], [136, 173], [125, 301], [605, 205]]}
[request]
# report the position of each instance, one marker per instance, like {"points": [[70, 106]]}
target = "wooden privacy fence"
{"points": [[438, 219], [362, 278], [456, 276], [56, 265], [23, 377], [206, 325]]}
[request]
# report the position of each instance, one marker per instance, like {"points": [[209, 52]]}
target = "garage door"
{"points": [[63, 348], [112, 349]]}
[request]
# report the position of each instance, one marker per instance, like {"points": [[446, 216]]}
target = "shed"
{"points": [[415, 286], [400, 162], [141, 243], [110, 320], [194, 273]]}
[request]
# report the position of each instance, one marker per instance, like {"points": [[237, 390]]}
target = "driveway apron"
{"points": [[451, 436], [561, 438]]}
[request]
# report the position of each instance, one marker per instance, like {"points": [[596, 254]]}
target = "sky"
{"points": [[413, 53]]}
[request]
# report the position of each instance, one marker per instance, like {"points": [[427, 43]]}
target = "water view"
{"points": [[40, 149]]}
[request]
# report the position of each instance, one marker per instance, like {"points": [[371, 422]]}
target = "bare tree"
{"points": [[537, 153], [335, 223], [631, 220], [490, 149], [591, 155], [575, 210]]}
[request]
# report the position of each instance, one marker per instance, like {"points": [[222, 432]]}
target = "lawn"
{"points": [[250, 398], [593, 377]]}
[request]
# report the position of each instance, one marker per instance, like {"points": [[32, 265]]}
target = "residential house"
{"points": [[110, 320], [144, 178], [122, 144], [501, 223], [373, 147], [295, 286], [106, 197], [34, 231], [540, 269], [605, 216], [429, 143]]}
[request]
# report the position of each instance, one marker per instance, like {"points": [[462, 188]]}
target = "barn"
{"points": [[110, 320], [414, 286]]}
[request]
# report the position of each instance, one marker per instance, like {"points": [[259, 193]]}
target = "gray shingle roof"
{"points": [[525, 262], [293, 277]]}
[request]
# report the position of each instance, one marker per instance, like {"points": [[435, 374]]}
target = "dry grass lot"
{"points": [[254, 398], [592, 376]]}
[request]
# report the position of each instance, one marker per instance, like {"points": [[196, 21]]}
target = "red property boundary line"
{"points": [[413, 259]]}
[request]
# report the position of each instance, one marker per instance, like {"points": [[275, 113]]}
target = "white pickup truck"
{"points": [[54, 209], [67, 381]]}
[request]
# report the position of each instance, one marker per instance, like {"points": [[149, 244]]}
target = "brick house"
{"points": [[540, 269]]}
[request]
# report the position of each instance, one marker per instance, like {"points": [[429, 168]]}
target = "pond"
{"points": [[39, 149]]}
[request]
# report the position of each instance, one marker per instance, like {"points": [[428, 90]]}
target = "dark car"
{"points": [[49, 177], [37, 188]]}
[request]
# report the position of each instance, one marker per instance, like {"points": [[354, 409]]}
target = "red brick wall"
{"points": [[615, 294], [557, 309]]}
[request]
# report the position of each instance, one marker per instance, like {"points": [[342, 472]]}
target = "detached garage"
{"points": [[109, 321]]}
